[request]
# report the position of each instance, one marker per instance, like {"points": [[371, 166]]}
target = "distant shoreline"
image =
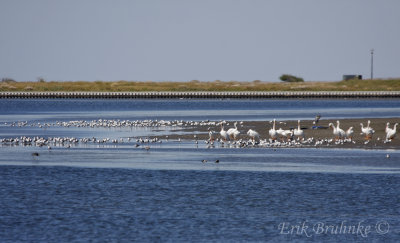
{"points": [[354, 85], [201, 95]]}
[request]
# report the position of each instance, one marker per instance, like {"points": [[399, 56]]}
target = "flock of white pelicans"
{"points": [[296, 136]]}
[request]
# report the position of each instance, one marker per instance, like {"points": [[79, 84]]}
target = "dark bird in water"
{"points": [[35, 154], [316, 120], [137, 145], [204, 161], [217, 161]]}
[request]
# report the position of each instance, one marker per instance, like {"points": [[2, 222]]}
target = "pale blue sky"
{"points": [[181, 40]]}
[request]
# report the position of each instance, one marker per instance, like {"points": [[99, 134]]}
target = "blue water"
{"points": [[189, 109], [116, 192], [51, 204]]}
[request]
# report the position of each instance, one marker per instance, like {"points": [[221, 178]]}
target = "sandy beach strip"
{"points": [[262, 127]]}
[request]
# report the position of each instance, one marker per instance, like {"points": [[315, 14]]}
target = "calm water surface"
{"points": [[120, 193]]}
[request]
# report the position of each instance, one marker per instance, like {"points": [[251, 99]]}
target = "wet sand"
{"points": [[262, 127]]}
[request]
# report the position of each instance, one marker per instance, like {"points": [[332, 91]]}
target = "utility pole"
{"points": [[372, 63]]}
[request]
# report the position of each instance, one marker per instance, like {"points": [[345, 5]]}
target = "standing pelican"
{"points": [[340, 131], [284, 134], [349, 133], [233, 133], [335, 131], [391, 133], [368, 131], [387, 127], [272, 132], [236, 132], [253, 134], [211, 134], [223, 133], [298, 132]]}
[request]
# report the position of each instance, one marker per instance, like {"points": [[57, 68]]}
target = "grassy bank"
{"points": [[127, 86]]}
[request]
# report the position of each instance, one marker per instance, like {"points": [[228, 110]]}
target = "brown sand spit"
{"points": [[262, 127]]}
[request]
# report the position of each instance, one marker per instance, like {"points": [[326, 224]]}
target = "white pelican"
{"points": [[349, 133], [391, 133], [280, 132], [368, 131], [211, 134], [272, 132], [284, 133], [335, 131], [340, 131], [298, 132], [223, 133], [236, 133], [387, 127], [253, 134], [233, 133]]}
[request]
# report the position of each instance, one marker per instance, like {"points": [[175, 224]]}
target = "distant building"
{"points": [[351, 76]]}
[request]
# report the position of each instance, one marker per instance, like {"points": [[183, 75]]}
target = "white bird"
{"points": [[223, 133], [387, 127], [298, 132], [335, 131], [391, 133], [233, 133], [253, 134], [340, 131], [211, 134], [368, 131], [272, 132], [349, 133], [284, 133]]}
